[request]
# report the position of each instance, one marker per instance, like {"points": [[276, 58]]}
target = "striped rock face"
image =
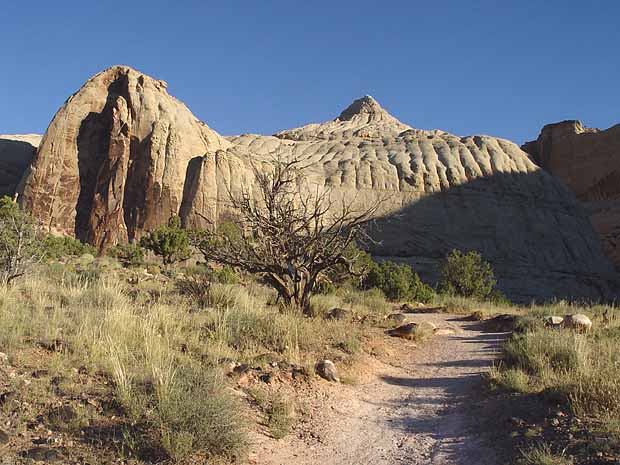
{"points": [[122, 155]]}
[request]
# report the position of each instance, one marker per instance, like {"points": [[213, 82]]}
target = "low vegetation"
{"points": [[170, 242], [466, 275], [572, 372], [139, 364], [113, 357], [398, 282]]}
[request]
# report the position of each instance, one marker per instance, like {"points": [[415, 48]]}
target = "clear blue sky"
{"points": [[503, 68]]}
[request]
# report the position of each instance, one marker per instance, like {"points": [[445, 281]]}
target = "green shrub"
{"points": [[57, 247], [128, 254], [398, 282], [225, 275], [170, 242], [467, 275], [279, 417]]}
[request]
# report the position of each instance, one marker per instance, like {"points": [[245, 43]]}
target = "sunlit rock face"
{"points": [[588, 161], [122, 156], [113, 161]]}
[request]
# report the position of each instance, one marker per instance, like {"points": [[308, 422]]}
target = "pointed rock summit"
{"points": [[363, 118], [366, 107]]}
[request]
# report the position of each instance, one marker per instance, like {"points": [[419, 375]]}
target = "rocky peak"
{"points": [[364, 118], [366, 105]]}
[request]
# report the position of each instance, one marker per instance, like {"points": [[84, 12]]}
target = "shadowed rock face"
{"points": [[588, 160], [121, 156], [16, 152]]}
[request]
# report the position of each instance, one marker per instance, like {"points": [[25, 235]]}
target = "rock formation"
{"points": [[122, 155], [588, 160], [114, 160], [16, 153], [448, 192]]}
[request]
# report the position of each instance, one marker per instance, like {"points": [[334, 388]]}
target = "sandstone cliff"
{"points": [[122, 155], [588, 160], [114, 159]]}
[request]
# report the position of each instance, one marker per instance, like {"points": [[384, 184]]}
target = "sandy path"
{"points": [[415, 413]]}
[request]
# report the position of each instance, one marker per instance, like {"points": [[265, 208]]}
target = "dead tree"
{"points": [[20, 246], [290, 232]]}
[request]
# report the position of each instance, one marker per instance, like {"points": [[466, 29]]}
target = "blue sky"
{"points": [[503, 68]]}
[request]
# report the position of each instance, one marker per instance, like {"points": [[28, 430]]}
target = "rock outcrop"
{"points": [[16, 153], [588, 160], [122, 155], [114, 160], [447, 192]]}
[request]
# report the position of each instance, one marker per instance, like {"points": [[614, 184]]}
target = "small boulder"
{"points": [[578, 322], [553, 321], [404, 331], [267, 378], [397, 318], [407, 308], [327, 370], [337, 314]]}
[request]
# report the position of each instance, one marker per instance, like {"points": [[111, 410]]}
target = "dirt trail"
{"points": [[416, 412]]}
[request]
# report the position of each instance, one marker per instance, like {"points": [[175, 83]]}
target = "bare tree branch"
{"points": [[290, 231]]}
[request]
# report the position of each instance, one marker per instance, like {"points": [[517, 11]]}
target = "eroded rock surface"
{"points": [[447, 192], [122, 155], [588, 160]]}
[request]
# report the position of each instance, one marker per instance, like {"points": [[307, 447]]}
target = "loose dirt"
{"points": [[415, 406]]}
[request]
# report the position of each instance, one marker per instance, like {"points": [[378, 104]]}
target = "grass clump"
{"points": [[542, 455], [278, 411], [197, 415]]}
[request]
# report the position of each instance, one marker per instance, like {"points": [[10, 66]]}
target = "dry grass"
{"points": [[161, 346], [542, 455], [562, 367]]}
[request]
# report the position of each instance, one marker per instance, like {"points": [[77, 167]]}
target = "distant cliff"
{"points": [[588, 161]]}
